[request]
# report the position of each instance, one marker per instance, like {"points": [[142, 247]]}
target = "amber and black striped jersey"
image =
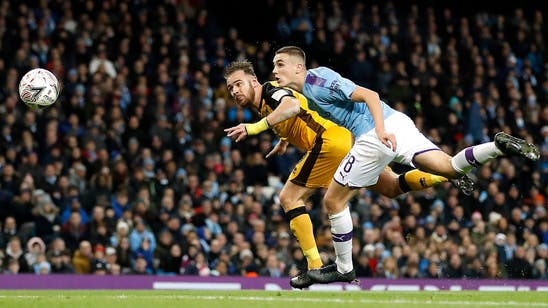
{"points": [[300, 131]]}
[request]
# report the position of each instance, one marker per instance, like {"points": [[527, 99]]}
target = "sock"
{"points": [[419, 180], [341, 230], [301, 226], [474, 156]]}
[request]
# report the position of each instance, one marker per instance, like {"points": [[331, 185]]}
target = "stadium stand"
{"points": [[130, 171]]}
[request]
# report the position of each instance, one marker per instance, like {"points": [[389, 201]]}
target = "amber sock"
{"points": [[301, 226], [419, 180]]}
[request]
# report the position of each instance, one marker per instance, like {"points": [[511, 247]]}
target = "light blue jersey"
{"points": [[328, 93]]}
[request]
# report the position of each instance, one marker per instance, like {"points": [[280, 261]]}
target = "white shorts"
{"points": [[368, 157]]}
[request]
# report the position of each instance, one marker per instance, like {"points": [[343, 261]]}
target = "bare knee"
{"points": [[293, 196], [333, 205], [287, 200]]}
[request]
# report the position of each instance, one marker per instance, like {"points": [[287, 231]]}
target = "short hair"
{"points": [[242, 65], [293, 51]]}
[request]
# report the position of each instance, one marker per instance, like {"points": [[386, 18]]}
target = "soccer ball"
{"points": [[39, 88]]}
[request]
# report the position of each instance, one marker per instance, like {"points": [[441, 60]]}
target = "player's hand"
{"points": [[388, 139], [236, 133], [279, 148]]}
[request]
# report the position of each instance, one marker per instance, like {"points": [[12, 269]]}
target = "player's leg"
{"points": [[336, 201], [315, 170], [392, 185], [437, 162], [360, 168], [474, 156], [292, 198], [415, 149], [504, 145]]}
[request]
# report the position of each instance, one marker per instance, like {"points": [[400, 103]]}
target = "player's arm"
{"points": [[373, 101], [279, 148], [289, 107]]}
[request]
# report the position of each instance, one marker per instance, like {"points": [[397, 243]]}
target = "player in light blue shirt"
{"points": [[382, 135], [333, 100]]}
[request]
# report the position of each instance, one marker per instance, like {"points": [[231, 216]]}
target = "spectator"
{"points": [[101, 63], [454, 268], [198, 266], [14, 252], [146, 252], [12, 267], [99, 267], [47, 223], [98, 227], [433, 271], [42, 265], [474, 270], [111, 258], [35, 248], [74, 230], [123, 254], [389, 268], [82, 258], [362, 268], [518, 267], [272, 267], [21, 208], [140, 266], [539, 270], [171, 263], [9, 228], [140, 233], [122, 230], [58, 263]]}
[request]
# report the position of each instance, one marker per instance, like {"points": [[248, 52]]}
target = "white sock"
{"points": [[341, 230], [474, 156]]}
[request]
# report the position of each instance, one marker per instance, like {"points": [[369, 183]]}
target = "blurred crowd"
{"points": [[130, 171]]}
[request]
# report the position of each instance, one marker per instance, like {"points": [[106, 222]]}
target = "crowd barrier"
{"points": [[154, 282]]}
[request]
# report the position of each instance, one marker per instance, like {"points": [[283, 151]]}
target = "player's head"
{"points": [[241, 82], [289, 66]]}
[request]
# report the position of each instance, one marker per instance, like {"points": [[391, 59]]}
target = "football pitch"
{"points": [[263, 299]]}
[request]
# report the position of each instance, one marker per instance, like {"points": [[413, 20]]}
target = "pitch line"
{"points": [[287, 299]]}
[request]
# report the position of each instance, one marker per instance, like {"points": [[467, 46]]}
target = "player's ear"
{"points": [[254, 82], [299, 68]]}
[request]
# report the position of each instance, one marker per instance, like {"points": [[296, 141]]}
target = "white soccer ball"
{"points": [[39, 88]]}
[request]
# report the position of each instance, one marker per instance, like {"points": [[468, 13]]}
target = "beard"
{"points": [[248, 96]]}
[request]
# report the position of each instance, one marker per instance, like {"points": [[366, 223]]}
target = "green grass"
{"points": [[264, 299]]}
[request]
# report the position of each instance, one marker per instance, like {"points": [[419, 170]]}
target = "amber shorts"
{"points": [[318, 165]]}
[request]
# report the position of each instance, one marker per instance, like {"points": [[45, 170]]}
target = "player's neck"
{"points": [[258, 96], [299, 83]]}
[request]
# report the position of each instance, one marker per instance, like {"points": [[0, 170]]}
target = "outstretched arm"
{"points": [[288, 108], [371, 98]]}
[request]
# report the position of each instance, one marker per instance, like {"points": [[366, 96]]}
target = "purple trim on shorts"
{"points": [[351, 187], [469, 154], [417, 153], [344, 237], [334, 179], [315, 80]]}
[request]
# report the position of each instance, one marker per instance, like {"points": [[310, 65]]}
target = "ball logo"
{"points": [[35, 92], [39, 88]]}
